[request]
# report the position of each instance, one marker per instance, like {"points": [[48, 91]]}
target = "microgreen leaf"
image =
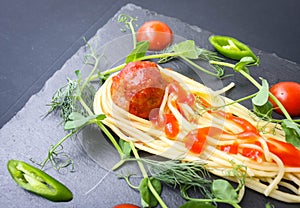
{"points": [[243, 63], [223, 190], [264, 110], [196, 204], [77, 120], [262, 96], [268, 205], [75, 116], [292, 132], [138, 52], [78, 73], [146, 194], [186, 49], [125, 146]]}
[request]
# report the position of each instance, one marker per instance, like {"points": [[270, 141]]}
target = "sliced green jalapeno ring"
{"points": [[35, 180], [231, 47]]}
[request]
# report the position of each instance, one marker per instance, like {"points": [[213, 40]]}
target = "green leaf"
{"points": [[76, 124], [243, 63], [139, 51], [146, 194], [125, 146], [78, 73], [75, 116], [262, 96], [292, 132], [268, 205], [77, 120], [264, 110], [196, 204], [100, 117], [186, 49], [223, 190]]}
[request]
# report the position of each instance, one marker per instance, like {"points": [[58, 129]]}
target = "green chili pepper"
{"points": [[231, 47], [38, 182]]}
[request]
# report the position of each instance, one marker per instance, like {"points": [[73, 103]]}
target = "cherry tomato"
{"points": [[171, 126], [157, 33], [288, 93], [126, 206]]}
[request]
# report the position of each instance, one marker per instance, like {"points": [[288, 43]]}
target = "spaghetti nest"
{"points": [[233, 135]]}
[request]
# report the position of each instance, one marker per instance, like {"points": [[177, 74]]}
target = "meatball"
{"points": [[138, 88]]}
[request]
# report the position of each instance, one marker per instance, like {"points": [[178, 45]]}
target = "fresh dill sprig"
{"points": [[180, 174], [63, 100]]}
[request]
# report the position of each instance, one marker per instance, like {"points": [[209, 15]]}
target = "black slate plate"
{"points": [[27, 135]]}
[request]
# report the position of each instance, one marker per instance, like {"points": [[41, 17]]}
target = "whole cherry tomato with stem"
{"points": [[158, 33], [288, 93]]}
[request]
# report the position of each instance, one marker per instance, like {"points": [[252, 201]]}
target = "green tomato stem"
{"points": [[220, 63], [282, 108], [105, 130], [133, 33], [85, 106], [55, 147], [88, 79], [111, 138], [145, 175], [118, 68], [256, 84], [156, 195], [237, 101], [136, 155], [157, 56], [198, 67], [119, 164]]}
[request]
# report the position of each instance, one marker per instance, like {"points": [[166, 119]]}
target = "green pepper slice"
{"points": [[231, 47], [35, 180]]}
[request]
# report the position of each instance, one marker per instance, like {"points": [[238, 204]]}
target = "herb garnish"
{"points": [[74, 103], [260, 101]]}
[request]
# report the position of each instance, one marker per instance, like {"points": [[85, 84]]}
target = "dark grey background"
{"points": [[37, 37]]}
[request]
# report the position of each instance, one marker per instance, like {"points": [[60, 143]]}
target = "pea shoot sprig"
{"points": [[261, 105]]}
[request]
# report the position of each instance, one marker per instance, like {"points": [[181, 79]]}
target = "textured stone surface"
{"points": [[27, 135]]}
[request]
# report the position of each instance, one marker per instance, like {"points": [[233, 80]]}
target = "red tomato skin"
{"points": [[126, 206], [157, 33], [195, 140], [287, 152], [231, 149], [193, 143], [252, 154], [288, 93]]}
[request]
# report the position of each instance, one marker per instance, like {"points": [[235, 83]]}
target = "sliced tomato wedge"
{"points": [[288, 153], [231, 148], [195, 140], [171, 126], [253, 154]]}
